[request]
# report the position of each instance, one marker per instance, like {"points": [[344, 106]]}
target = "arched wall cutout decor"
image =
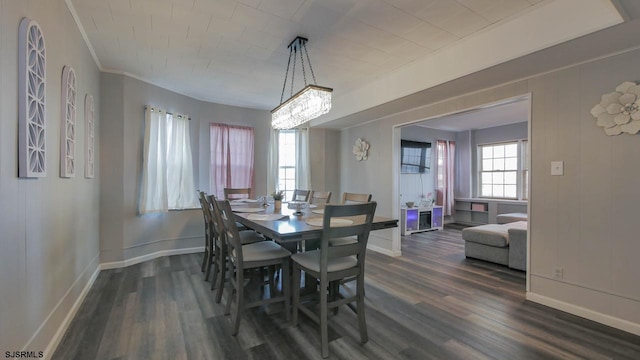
{"points": [[31, 100], [68, 123], [89, 141]]}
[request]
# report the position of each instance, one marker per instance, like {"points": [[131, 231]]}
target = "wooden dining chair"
{"points": [[220, 262], [350, 198], [320, 197], [300, 195], [208, 258], [242, 257], [237, 193], [330, 264]]}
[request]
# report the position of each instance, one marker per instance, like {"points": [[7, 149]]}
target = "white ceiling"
{"points": [[509, 112], [235, 51]]}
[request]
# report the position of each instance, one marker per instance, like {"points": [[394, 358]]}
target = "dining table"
{"points": [[288, 225]]}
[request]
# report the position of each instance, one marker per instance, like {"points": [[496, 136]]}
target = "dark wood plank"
{"points": [[431, 303]]}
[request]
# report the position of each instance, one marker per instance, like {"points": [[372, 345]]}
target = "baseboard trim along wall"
{"points": [[585, 313], [147, 257], [384, 251], [57, 337]]}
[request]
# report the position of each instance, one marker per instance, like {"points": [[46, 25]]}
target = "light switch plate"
{"points": [[557, 168]]}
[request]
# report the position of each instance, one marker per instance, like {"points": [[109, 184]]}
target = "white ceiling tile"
{"points": [[319, 16], [430, 36], [449, 15], [252, 3], [282, 8], [385, 17], [195, 19], [221, 9], [251, 17], [496, 10], [235, 51], [224, 27]]}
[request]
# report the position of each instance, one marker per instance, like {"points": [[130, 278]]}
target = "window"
{"points": [[502, 173], [231, 158], [415, 156], [287, 162], [525, 169], [167, 174]]}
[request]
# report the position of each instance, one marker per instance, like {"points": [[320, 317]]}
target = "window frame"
{"points": [[287, 192], [521, 192]]}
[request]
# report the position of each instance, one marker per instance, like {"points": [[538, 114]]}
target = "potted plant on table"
{"points": [[277, 199]]}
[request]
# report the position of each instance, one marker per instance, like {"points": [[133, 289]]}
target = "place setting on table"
{"points": [[292, 221]]}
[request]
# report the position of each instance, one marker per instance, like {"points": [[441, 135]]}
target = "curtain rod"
{"points": [[168, 113]]}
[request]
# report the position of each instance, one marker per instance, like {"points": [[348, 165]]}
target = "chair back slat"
{"points": [[232, 236], [352, 198], [320, 197], [217, 227], [360, 229], [300, 195], [237, 193]]}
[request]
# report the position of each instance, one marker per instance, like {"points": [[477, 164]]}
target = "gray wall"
{"points": [[584, 221], [48, 226], [324, 149], [125, 234]]}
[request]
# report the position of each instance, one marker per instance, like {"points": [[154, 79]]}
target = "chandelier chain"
{"points": [[308, 103], [284, 85], [304, 73], [294, 51], [313, 75]]}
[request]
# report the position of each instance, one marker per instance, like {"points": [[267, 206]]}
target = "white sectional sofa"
{"points": [[504, 244]]}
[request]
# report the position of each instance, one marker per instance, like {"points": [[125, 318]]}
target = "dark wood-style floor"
{"points": [[431, 303]]}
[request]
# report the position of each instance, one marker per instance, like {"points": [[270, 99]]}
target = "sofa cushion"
{"points": [[511, 217], [491, 234]]}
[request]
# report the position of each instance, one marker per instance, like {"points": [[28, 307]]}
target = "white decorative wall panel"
{"points": [[89, 141], [68, 123], [31, 100]]}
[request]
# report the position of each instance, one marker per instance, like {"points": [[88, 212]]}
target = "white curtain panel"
{"points": [[272, 171], [181, 191], [167, 169], [303, 162]]}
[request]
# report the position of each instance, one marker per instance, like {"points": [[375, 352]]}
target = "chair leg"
{"points": [[324, 314], [362, 323], [334, 293], [216, 270], [286, 288], [207, 271], [239, 301], [222, 276], [296, 293], [204, 260]]}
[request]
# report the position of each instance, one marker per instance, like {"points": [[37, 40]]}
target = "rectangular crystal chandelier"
{"points": [[308, 103]]}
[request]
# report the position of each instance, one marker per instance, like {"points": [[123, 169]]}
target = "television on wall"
{"points": [[415, 157]]}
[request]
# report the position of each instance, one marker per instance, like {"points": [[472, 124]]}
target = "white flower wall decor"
{"points": [[619, 111], [31, 100], [68, 123], [361, 149]]}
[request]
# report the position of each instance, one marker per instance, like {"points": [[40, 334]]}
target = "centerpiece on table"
{"points": [[278, 196]]}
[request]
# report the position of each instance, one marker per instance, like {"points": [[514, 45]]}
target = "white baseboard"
{"points": [[147, 257], [608, 320], [62, 329], [382, 250]]}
